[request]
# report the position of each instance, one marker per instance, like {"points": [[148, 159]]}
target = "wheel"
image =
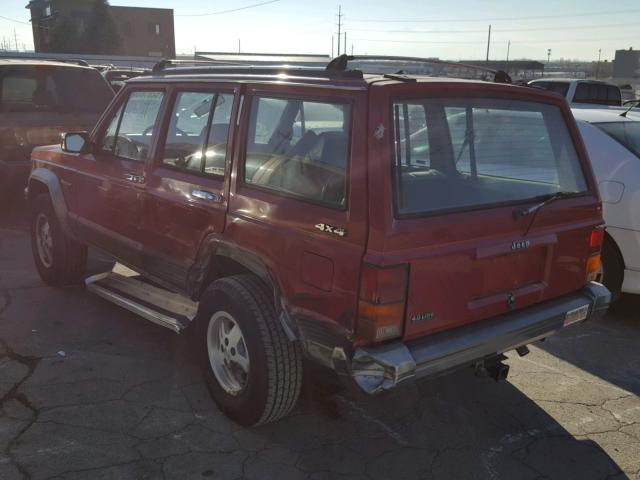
{"points": [[59, 259], [253, 371], [611, 272]]}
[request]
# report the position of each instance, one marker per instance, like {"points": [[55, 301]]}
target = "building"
{"points": [[626, 66], [143, 31]]}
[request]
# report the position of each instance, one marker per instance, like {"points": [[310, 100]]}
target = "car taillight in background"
{"points": [[382, 302], [595, 245]]}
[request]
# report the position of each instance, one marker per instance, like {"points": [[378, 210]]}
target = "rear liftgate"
{"points": [[126, 288]]}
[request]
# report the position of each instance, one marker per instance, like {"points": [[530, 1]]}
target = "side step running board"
{"points": [[126, 289]]}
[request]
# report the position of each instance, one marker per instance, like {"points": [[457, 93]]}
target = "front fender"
{"points": [[52, 183]]}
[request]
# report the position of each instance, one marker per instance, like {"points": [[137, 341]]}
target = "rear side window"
{"points": [[45, 88], [627, 133], [299, 148], [198, 131], [468, 153], [130, 133], [561, 88]]}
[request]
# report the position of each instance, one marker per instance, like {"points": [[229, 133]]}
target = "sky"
{"points": [[454, 30]]}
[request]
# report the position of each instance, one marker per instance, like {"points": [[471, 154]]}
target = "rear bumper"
{"points": [[382, 367]]}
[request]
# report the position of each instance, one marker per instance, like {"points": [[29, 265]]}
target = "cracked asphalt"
{"points": [[89, 391]]}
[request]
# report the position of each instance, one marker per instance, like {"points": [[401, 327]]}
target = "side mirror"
{"points": [[75, 142]]}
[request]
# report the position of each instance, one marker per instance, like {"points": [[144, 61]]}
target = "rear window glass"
{"points": [[598, 93], [468, 153], [53, 89], [627, 133]]}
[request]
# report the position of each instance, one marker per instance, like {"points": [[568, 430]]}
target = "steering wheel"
{"points": [[149, 129], [124, 146]]}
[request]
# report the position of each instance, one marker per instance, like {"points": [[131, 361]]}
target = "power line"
{"points": [[510, 30], [498, 19], [14, 20], [228, 11], [481, 41]]}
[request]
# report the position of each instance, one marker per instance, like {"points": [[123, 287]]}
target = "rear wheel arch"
{"points": [[220, 259], [613, 262]]}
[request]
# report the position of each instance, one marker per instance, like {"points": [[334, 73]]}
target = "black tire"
{"points": [[68, 258], [275, 370], [612, 268]]}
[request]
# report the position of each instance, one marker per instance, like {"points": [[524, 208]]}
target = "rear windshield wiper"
{"points": [[543, 200]]}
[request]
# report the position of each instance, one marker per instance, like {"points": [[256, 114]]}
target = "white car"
{"points": [[588, 92], [613, 143]]}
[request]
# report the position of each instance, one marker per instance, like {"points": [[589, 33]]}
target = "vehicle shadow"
{"points": [[13, 211], [607, 348], [458, 426]]}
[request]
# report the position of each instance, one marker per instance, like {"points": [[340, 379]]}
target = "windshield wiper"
{"points": [[543, 200]]}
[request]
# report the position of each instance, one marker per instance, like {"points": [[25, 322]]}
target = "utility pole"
{"points": [[488, 42], [339, 28], [352, 49], [598, 66], [238, 45], [15, 37], [508, 48], [332, 45], [345, 42]]}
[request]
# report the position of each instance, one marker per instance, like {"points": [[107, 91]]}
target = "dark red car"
{"points": [[39, 100], [389, 227]]}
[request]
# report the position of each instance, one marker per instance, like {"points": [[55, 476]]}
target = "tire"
{"points": [[270, 386], [612, 274], [63, 261]]}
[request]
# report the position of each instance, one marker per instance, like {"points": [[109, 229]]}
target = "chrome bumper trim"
{"points": [[379, 368]]}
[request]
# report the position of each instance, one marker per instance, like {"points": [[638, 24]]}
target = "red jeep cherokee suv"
{"points": [[389, 227]]}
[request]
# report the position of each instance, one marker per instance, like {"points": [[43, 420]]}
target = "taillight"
{"points": [[594, 261], [596, 239], [382, 302]]}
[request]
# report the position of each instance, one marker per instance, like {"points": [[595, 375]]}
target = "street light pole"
{"points": [[598, 66], [488, 42]]}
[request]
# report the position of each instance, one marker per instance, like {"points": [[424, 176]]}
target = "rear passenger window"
{"points": [[130, 135], [300, 148], [199, 120]]}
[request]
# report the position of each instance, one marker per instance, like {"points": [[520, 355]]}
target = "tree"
{"points": [[101, 35], [65, 37]]}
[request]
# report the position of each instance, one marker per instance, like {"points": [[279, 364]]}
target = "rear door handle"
{"points": [[208, 196], [133, 178]]}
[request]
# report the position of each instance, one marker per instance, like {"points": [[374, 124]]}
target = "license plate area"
{"points": [[576, 315]]}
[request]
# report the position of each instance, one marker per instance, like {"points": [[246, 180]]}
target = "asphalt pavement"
{"points": [[90, 391]]}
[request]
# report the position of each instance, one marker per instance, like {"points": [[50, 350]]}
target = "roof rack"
{"points": [[180, 67], [425, 66], [75, 61], [167, 63]]}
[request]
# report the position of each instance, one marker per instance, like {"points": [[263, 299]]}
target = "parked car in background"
{"points": [[39, 100], [593, 92], [613, 144], [386, 226]]}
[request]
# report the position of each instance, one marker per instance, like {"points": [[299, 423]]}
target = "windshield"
{"points": [[45, 88], [458, 153], [627, 133]]}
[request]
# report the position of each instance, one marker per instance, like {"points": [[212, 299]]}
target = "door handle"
{"points": [[133, 178], [208, 196]]}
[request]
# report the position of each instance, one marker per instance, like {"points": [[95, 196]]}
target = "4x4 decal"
{"points": [[323, 227]]}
